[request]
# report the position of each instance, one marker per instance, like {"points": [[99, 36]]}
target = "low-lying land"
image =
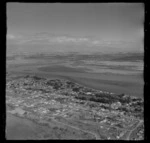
{"points": [[63, 109]]}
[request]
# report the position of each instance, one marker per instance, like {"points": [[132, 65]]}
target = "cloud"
{"points": [[47, 39], [64, 39], [54, 39], [13, 37], [10, 36]]}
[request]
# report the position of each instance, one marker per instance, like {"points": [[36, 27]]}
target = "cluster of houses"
{"points": [[40, 97]]}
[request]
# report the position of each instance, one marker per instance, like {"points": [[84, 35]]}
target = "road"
{"points": [[140, 122]]}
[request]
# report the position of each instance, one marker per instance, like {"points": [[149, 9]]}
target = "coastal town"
{"points": [[94, 114]]}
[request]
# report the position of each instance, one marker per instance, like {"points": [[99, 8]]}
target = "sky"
{"points": [[79, 27]]}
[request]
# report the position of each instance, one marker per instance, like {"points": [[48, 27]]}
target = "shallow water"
{"points": [[19, 128]]}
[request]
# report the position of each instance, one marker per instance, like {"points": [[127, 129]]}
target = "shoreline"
{"points": [[115, 86]]}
